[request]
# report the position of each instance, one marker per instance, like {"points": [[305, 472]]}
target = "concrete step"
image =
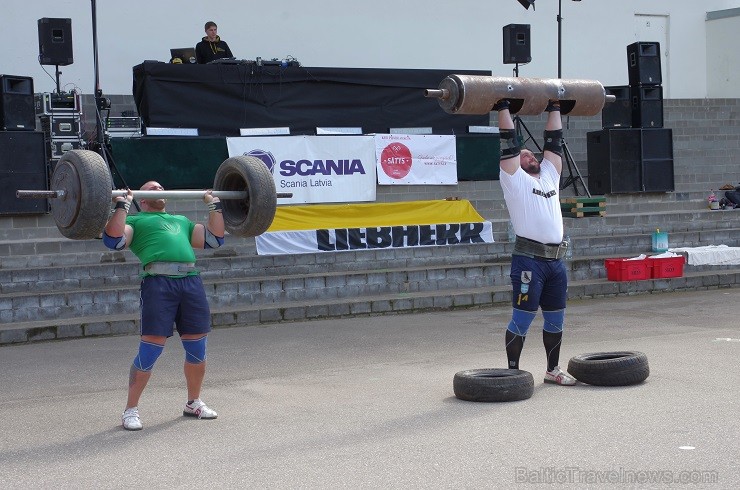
{"points": [[51, 287], [112, 289], [104, 269], [246, 314], [488, 202], [59, 251]]}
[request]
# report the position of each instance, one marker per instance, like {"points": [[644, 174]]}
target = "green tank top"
{"points": [[161, 237]]}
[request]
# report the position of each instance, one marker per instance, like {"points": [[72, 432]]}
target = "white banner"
{"points": [[315, 168], [347, 239], [415, 159]]}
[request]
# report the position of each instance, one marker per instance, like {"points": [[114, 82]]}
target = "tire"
{"points": [[253, 215], [83, 211], [493, 385], [610, 368]]}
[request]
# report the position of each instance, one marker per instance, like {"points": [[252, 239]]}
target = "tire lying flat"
{"points": [[493, 385], [621, 368]]}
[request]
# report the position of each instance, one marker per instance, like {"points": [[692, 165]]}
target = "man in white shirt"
{"points": [[538, 275]]}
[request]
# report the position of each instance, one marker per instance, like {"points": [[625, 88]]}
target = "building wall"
{"points": [[723, 60], [465, 34], [702, 106]]}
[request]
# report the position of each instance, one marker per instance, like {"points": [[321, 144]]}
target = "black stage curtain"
{"points": [[174, 162], [218, 99]]}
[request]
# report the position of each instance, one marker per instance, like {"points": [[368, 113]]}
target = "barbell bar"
{"points": [[477, 94], [144, 194], [82, 189]]}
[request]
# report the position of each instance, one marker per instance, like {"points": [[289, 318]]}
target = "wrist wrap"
{"points": [[554, 141], [509, 143], [501, 105], [215, 207]]}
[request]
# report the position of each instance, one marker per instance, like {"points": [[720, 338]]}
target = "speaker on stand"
{"points": [[517, 47], [55, 43]]}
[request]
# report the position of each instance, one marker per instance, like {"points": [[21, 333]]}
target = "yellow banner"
{"points": [[332, 216]]}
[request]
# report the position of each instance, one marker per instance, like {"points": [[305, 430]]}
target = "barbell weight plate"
{"points": [[252, 215], [83, 210]]}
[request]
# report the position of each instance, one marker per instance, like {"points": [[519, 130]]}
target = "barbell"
{"points": [[141, 194], [477, 94], [81, 191]]}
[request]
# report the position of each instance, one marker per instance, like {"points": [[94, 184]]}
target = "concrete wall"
{"points": [[723, 59], [465, 34]]}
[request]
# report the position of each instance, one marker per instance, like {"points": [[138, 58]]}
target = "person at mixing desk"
{"points": [[211, 47]]}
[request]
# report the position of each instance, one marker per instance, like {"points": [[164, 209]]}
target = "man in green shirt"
{"points": [[172, 293]]}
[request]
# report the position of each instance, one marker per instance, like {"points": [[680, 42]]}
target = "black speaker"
{"points": [[630, 160], [647, 106], [657, 160], [17, 111], [55, 41], [617, 114], [613, 161], [643, 63], [516, 44], [23, 165]]}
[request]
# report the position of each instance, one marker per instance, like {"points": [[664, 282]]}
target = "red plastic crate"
{"points": [[668, 267], [628, 270]]}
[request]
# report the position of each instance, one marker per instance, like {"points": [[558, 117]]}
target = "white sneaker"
{"points": [[199, 409], [131, 420], [560, 377]]}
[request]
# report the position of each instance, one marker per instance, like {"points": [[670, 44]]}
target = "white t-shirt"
{"points": [[534, 204]]}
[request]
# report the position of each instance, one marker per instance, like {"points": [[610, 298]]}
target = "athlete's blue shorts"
{"points": [[169, 302], [538, 283]]}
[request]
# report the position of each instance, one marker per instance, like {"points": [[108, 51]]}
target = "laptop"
{"points": [[186, 55]]}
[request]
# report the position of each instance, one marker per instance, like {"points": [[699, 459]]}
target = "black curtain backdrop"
{"points": [[219, 99]]}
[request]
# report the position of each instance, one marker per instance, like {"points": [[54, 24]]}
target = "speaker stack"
{"points": [[633, 153], [630, 160], [646, 91], [22, 150]]}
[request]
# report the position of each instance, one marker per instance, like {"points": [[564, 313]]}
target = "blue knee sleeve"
{"points": [[553, 321], [520, 322], [147, 356], [195, 349]]}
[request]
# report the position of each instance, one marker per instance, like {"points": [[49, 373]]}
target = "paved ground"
{"points": [[368, 403]]}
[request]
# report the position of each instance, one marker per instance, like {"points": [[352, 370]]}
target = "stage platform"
{"points": [[219, 99]]}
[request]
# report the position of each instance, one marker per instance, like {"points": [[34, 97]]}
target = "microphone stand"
{"points": [[102, 104], [567, 156]]}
